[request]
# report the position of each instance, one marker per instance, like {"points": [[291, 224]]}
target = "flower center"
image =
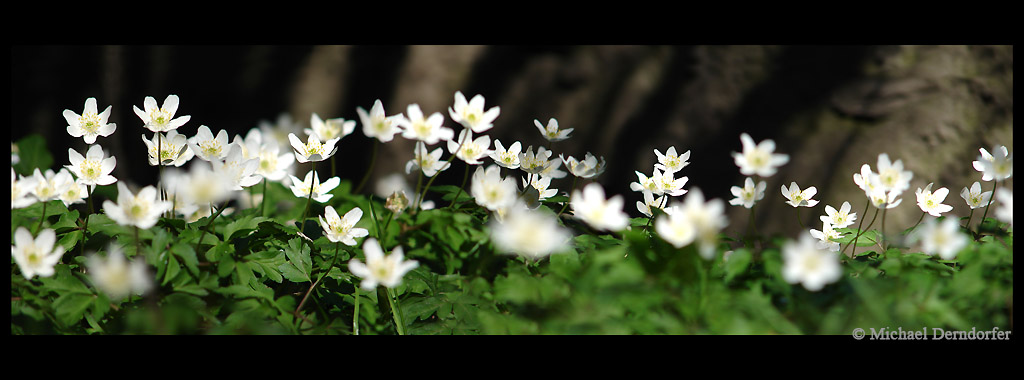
{"points": [[159, 117], [90, 170], [90, 122], [210, 148]]}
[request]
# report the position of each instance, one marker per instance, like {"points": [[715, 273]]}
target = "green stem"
{"points": [[395, 313], [465, 176], [210, 223], [138, 245], [990, 200], [313, 286], [85, 228], [573, 188], [41, 219], [885, 210], [263, 202], [431, 181], [419, 182], [373, 159], [798, 218], [355, 316], [863, 215], [376, 224], [969, 217], [313, 178], [918, 222]]}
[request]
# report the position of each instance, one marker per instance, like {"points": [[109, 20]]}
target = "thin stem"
{"points": [[355, 316], [419, 182], [863, 216], [312, 286], [447, 165], [885, 210], [41, 219], [373, 159], [395, 313], [85, 228], [263, 202], [798, 218], [990, 200], [375, 222], [918, 221], [138, 245], [302, 222], [566, 205], [465, 176], [210, 223], [969, 217]]}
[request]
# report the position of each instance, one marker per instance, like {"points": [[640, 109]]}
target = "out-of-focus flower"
{"points": [[591, 207], [806, 263], [646, 207], [471, 115], [276, 133], [974, 197], [551, 131], [379, 269], [93, 169], [201, 186], [397, 202], [528, 233], [827, 237], [472, 150], [490, 190], [758, 159], [670, 162], [321, 191], [891, 176], [748, 194], [21, 191], [1005, 210], [141, 210], [882, 199], [342, 229], [541, 184], [49, 186], [331, 128], [838, 219], [172, 149], [429, 163], [997, 165], [313, 150], [239, 171], [942, 238], [36, 256], [694, 220], [273, 166], [429, 130], [208, 147], [89, 124], [161, 119], [74, 192], [378, 125], [535, 163], [589, 167], [117, 277], [15, 158], [395, 182], [508, 158], [798, 198], [931, 202]]}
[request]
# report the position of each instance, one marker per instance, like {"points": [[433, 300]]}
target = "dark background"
{"points": [[831, 108]]}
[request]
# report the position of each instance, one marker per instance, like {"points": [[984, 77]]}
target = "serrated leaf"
{"points": [[172, 269], [299, 264], [70, 239], [242, 227], [67, 221], [70, 307], [420, 307]]}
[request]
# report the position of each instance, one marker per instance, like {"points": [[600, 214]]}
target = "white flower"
{"points": [[321, 191], [429, 163], [273, 166], [880, 198], [670, 186], [931, 202], [428, 130], [551, 170], [998, 166], [49, 186], [551, 131], [891, 176], [942, 238], [74, 192], [535, 163], [645, 183], [798, 198], [472, 150], [161, 119], [172, 149], [330, 129], [380, 269], [758, 159], [276, 133], [378, 125], [748, 194], [589, 167], [342, 229], [670, 162], [827, 237], [21, 191], [208, 147], [89, 124], [251, 144], [313, 150], [36, 256], [141, 210], [508, 158], [490, 190], [471, 115], [974, 197], [694, 220], [93, 169], [202, 186], [239, 171], [646, 207], [838, 219], [528, 233], [117, 277], [1005, 210], [541, 183], [866, 180], [591, 207], [804, 262]]}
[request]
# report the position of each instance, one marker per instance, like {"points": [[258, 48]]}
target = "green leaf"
{"points": [[188, 257], [172, 269], [70, 239], [68, 221], [266, 263], [242, 227], [737, 263], [33, 154], [299, 264], [70, 307]]}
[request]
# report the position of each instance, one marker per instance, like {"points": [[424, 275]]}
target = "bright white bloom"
{"points": [[331, 128], [117, 277], [748, 194], [428, 130], [670, 162], [172, 149], [93, 169], [591, 207], [805, 263], [528, 233], [161, 119], [998, 165], [490, 190], [589, 167], [891, 176], [273, 166], [321, 191], [239, 171], [508, 158], [74, 192], [974, 197], [430, 162], [201, 186], [471, 115], [866, 179], [313, 150], [551, 170], [21, 191], [798, 198], [251, 144], [645, 183], [141, 210], [758, 159], [89, 124], [943, 238], [694, 220], [669, 185], [646, 207], [827, 237], [838, 219], [551, 131], [36, 256], [931, 202], [208, 147], [1005, 210], [380, 269], [49, 186], [535, 163], [342, 229], [541, 184], [472, 150], [378, 125], [880, 198]]}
